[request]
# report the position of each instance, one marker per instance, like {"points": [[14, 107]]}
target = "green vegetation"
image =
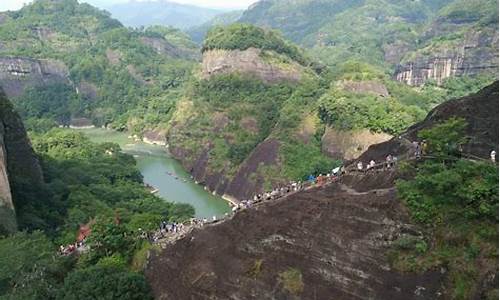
{"points": [[99, 282], [235, 113], [348, 110], [456, 202], [54, 102], [85, 183], [292, 281], [115, 69], [244, 36]]}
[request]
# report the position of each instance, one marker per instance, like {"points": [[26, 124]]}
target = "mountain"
{"points": [[20, 171], [414, 41], [198, 33], [260, 112], [161, 12], [363, 237], [62, 60]]}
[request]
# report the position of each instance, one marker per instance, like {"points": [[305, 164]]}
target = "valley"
{"points": [[121, 139], [164, 173]]}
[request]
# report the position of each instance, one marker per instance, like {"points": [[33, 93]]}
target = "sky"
{"points": [[225, 4]]}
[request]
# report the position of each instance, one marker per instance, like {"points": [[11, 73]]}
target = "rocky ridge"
{"points": [[249, 62], [326, 242]]}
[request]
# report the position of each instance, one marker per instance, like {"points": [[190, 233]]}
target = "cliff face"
{"points": [[324, 243], [349, 144], [250, 62], [16, 73], [476, 53], [19, 167]]}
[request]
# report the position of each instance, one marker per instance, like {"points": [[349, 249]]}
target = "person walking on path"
{"points": [[360, 166], [493, 155]]}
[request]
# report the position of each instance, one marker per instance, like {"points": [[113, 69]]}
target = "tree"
{"points": [[446, 138], [106, 283]]}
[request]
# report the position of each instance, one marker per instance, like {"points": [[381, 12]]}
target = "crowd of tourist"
{"points": [[174, 230]]}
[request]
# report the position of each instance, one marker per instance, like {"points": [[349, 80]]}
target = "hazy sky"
{"points": [[227, 4]]}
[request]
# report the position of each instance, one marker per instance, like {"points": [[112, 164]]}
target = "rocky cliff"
{"points": [[252, 61], [479, 110], [324, 243], [16, 73], [19, 167], [349, 144], [448, 56]]}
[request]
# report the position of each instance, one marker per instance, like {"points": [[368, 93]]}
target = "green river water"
{"points": [[155, 163]]}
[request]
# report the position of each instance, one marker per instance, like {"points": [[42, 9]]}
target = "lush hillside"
{"points": [[426, 229], [95, 67], [147, 13], [65, 183], [389, 33]]}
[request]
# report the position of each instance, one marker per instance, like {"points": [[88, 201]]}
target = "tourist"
{"points": [[424, 147], [417, 149], [493, 155], [360, 166], [372, 164], [394, 160], [311, 179], [388, 161], [214, 218]]}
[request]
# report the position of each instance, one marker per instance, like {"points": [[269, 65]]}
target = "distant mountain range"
{"points": [[146, 13]]}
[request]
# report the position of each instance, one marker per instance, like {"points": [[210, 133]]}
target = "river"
{"points": [[156, 164]]}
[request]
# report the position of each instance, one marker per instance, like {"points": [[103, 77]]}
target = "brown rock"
{"points": [[349, 144], [247, 62]]}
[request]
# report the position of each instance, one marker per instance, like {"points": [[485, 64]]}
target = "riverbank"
{"points": [[163, 172]]}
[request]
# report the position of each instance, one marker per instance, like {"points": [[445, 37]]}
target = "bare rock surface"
{"points": [[350, 144], [335, 239], [247, 62], [17, 73]]}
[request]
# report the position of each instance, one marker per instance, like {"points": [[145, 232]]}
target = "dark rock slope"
{"points": [[479, 110], [19, 168], [334, 239]]}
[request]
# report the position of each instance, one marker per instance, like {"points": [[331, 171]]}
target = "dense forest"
{"points": [[85, 183]]}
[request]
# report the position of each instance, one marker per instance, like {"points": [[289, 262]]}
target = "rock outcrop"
{"points": [[155, 137], [479, 110], [364, 87], [325, 243], [17, 73], [19, 167], [476, 54], [350, 144], [249, 62]]}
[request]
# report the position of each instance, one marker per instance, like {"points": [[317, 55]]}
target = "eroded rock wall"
{"points": [[476, 54], [16, 73], [349, 144], [248, 62], [19, 167]]}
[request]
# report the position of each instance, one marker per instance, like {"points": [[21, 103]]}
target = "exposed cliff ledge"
{"points": [[16, 73], [349, 144], [19, 167], [251, 61], [477, 53]]}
